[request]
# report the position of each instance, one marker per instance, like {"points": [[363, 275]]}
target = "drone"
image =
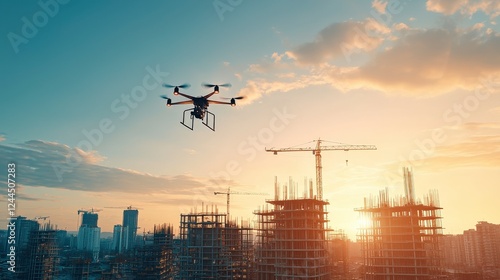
{"points": [[201, 103]]}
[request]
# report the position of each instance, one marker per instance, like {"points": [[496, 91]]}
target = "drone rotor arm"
{"points": [[182, 102], [210, 94], [185, 95], [219, 102]]}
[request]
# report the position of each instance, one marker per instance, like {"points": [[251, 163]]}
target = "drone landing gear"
{"points": [[184, 118], [207, 124], [206, 120]]}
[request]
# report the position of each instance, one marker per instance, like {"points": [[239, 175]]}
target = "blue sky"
{"points": [[418, 79]]}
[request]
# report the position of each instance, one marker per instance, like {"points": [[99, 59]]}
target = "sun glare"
{"points": [[363, 222]]}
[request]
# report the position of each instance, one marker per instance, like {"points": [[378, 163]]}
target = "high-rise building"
{"points": [[89, 219], [117, 238], [476, 251], [453, 251], [89, 240], [130, 221], [489, 248], [24, 227], [89, 235], [471, 246]]}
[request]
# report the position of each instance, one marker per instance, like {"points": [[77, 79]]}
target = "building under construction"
{"points": [[291, 237], [211, 247], [154, 257], [40, 259], [400, 237]]}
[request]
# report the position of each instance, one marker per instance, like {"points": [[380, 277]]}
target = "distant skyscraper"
{"points": [[89, 235], [117, 238], [489, 248], [89, 240], [24, 228], [471, 246], [89, 219], [130, 219]]}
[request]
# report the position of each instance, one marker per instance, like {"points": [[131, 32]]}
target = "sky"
{"points": [[84, 124]]}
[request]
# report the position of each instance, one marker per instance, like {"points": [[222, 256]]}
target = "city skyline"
{"points": [[84, 123]]}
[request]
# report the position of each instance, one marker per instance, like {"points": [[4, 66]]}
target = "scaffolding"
{"points": [[211, 247], [400, 237], [239, 242], [154, 259], [41, 259], [291, 236]]}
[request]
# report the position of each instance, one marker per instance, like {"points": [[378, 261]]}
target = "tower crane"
{"points": [[229, 193], [91, 210], [317, 153]]}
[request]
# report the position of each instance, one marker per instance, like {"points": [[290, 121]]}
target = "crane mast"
{"points": [[317, 154]]}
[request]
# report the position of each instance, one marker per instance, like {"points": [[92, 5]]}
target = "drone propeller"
{"points": [[212, 85], [169, 101], [185, 85], [238, 97]]}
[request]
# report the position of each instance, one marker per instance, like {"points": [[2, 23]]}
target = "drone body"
{"points": [[200, 103]]}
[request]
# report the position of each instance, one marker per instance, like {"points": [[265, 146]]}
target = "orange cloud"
{"points": [[432, 62], [467, 7], [379, 6], [418, 63]]}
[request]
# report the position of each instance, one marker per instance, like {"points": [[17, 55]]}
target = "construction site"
{"points": [[212, 247], [400, 236], [40, 258], [291, 239], [154, 259]]}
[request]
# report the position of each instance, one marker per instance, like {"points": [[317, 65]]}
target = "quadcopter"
{"points": [[201, 103]]}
